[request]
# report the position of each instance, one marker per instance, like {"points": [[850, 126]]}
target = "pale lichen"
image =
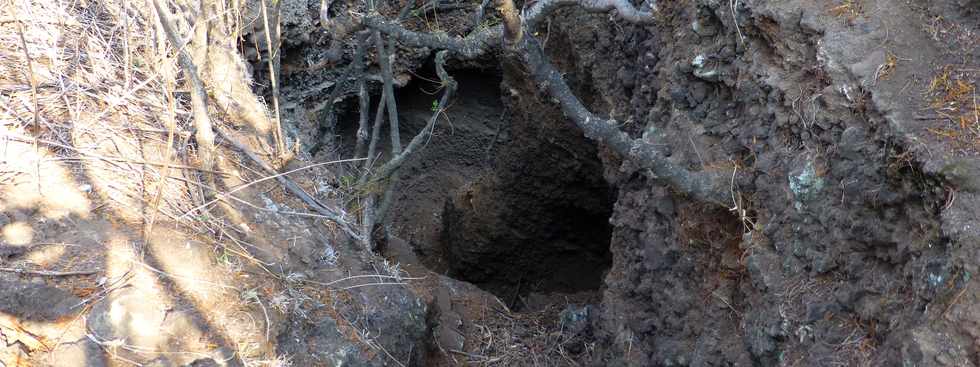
{"points": [[805, 185]]}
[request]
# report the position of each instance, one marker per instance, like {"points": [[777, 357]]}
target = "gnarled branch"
{"points": [[384, 59], [338, 27], [450, 84], [471, 46], [709, 186], [703, 185], [391, 168], [623, 8], [199, 97]]}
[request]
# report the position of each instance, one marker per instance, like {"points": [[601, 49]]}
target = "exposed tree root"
{"points": [[205, 131], [388, 173], [708, 186], [390, 169]]}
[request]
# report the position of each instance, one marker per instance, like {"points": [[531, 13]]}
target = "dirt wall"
{"points": [[843, 249], [852, 242]]}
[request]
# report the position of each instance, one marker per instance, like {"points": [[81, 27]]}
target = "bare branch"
{"points": [[367, 222], [623, 8], [291, 186], [338, 27], [387, 199], [471, 46], [355, 68], [391, 168], [367, 215], [273, 51], [450, 84], [384, 59], [706, 186], [375, 135], [202, 122], [30, 71], [49, 273], [478, 18], [364, 105], [406, 10], [481, 41]]}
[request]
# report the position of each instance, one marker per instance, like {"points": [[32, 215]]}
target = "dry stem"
{"points": [[273, 54], [202, 122]]}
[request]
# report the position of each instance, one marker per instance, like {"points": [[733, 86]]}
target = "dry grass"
{"points": [[952, 97], [885, 69], [102, 100], [98, 90], [848, 9], [101, 97], [500, 337]]}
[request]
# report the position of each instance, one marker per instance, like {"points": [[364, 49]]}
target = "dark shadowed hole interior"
{"points": [[508, 203]]}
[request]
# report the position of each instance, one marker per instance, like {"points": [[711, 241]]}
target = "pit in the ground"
{"points": [[507, 195]]}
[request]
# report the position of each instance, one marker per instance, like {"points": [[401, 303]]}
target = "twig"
{"points": [[375, 135], [384, 59], [64, 22], [30, 70], [352, 277], [956, 299], [49, 273], [374, 344], [202, 122], [364, 105], [291, 186], [732, 4], [356, 67], [33, 80], [22, 138], [390, 169], [268, 324], [482, 359], [127, 56], [388, 198], [184, 277], [118, 283], [273, 53], [480, 11], [370, 284], [171, 121], [107, 345], [219, 195], [450, 86]]}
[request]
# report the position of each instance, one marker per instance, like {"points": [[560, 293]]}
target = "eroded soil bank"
{"points": [[851, 236], [506, 197], [848, 245]]}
